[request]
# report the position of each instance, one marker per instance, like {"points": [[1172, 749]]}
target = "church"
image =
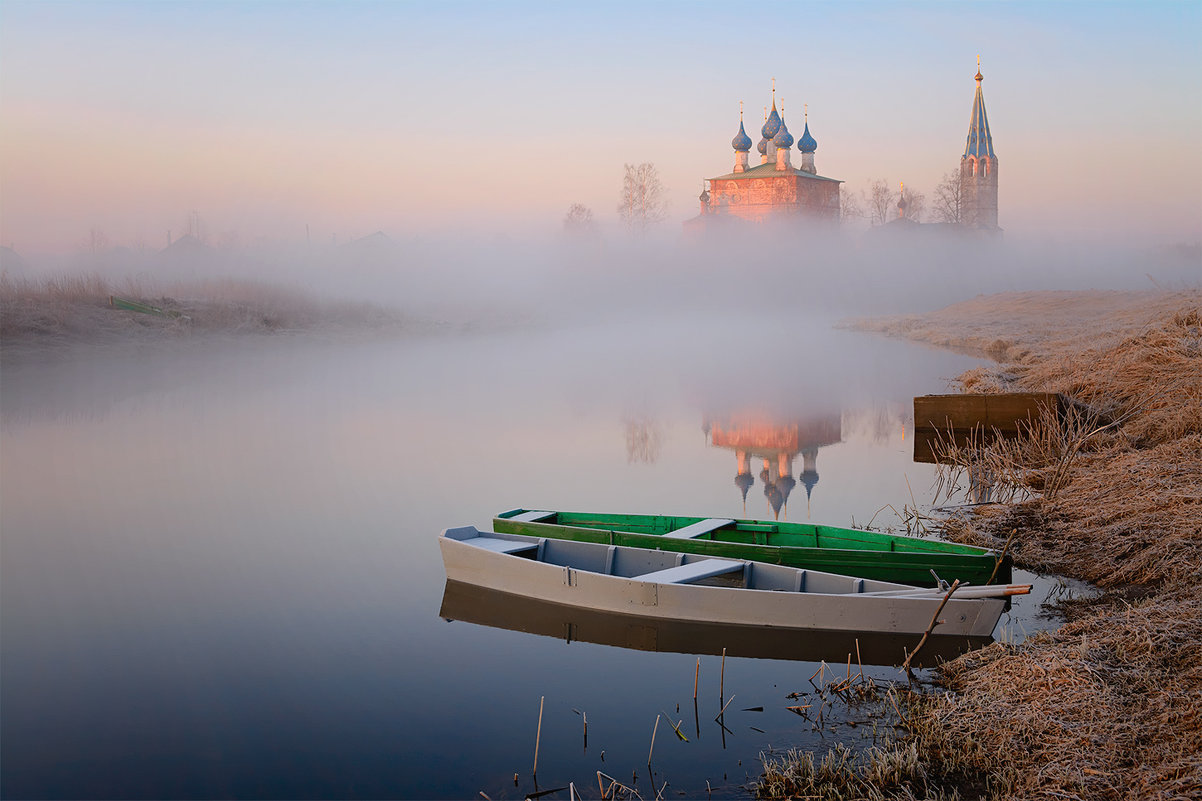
{"points": [[777, 190], [774, 188]]}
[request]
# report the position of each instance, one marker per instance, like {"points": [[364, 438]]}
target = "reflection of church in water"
{"points": [[777, 445]]}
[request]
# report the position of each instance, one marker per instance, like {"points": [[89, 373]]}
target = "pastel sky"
{"points": [[265, 117]]}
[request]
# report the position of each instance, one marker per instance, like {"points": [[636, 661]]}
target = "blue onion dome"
{"points": [[762, 147], [772, 124], [807, 143], [783, 138], [741, 142]]}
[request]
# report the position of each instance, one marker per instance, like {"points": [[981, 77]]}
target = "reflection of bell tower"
{"points": [[743, 479], [816, 432], [777, 445]]}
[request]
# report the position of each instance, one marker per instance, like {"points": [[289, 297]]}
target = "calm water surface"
{"points": [[221, 579]]}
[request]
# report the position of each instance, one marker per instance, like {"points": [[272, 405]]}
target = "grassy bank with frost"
{"points": [[75, 310], [1110, 705]]}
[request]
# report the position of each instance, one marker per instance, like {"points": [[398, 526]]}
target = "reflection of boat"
{"points": [[848, 551], [689, 587], [502, 610]]}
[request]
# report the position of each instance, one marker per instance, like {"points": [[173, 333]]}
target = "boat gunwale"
{"points": [[977, 565]]}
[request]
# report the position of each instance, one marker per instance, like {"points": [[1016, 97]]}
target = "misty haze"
{"points": [[285, 291]]}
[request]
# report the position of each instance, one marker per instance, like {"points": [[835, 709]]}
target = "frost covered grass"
{"points": [[70, 310], [1110, 705]]}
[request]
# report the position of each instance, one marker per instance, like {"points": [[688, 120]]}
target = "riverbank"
{"points": [[1110, 705], [87, 310]]}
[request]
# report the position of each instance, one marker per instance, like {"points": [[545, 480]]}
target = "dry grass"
{"points": [[72, 310], [1010, 326], [891, 773], [1109, 706]]}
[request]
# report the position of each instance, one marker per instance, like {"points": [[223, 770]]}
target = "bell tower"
{"points": [[978, 168]]}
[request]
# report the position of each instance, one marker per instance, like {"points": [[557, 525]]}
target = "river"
{"points": [[221, 577]]}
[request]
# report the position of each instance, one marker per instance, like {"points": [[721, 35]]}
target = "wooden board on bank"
{"points": [[955, 418]]}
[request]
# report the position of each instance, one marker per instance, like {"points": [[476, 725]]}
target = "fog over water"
{"points": [[220, 574], [482, 278]]}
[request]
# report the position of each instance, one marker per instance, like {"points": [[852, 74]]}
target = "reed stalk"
{"points": [[539, 733], [722, 678], [652, 748]]}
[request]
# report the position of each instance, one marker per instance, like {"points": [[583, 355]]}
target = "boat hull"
{"points": [[812, 611], [486, 607]]}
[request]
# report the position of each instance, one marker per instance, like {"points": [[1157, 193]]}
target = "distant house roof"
{"points": [[768, 171]]}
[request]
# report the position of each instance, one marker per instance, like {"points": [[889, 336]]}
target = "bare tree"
{"points": [[96, 241], [881, 201], [851, 205], [642, 202], [949, 199], [579, 219]]}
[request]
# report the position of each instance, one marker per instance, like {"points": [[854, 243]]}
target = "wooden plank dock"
{"points": [[962, 418]]}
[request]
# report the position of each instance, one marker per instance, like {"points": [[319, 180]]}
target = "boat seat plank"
{"points": [[503, 546], [532, 517], [698, 528], [693, 571]]}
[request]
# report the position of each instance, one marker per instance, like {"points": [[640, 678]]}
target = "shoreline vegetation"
{"points": [[61, 312], [1109, 706]]}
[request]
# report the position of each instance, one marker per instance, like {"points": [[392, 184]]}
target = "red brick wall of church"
{"points": [[757, 198]]}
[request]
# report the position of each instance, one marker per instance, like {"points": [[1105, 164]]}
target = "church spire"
{"points": [[980, 142], [979, 167]]}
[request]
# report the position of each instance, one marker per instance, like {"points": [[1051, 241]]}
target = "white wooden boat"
{"points": [[692, 587]]}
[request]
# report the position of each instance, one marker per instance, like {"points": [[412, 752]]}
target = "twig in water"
{"points": [[652, 748], [676, 728], [724, 707], [821, 669], [696, 677], [538, 734], [614, 783], [722, 678]]}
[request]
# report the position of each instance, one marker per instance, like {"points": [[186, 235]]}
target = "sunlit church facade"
{"points": [[775, 189]]}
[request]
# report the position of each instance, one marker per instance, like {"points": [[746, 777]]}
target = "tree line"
{"points": [[642, 203]]}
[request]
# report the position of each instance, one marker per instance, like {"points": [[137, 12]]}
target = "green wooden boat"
{"points": [[847, 551]]}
